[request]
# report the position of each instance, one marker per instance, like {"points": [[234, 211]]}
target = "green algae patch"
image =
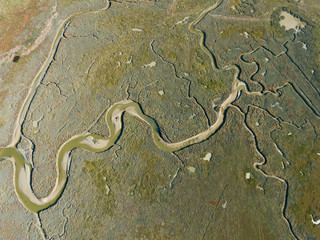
{"points": [[256, 32], [105, 180], [68, 3], [129, 53], [249, 177], [316, 42], [206, 168], [135, 29], [182, 49], [115, 63], [151, 232], [147, 183], [2, 122], [107, 73], [145, 18], [189, 5], [212, 84]]}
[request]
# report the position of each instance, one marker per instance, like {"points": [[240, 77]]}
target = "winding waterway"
{"points": [[114, 122], [93, 142]]}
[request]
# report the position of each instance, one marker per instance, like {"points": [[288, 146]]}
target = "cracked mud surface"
{"points": [[261, 181]]}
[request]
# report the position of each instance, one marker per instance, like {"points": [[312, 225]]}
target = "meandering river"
{"points": [[114, 122]]}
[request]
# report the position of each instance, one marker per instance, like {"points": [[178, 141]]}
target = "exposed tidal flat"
{"points": [[80, 86]]}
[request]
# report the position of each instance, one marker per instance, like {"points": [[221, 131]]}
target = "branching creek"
{"points": [[114, 121]]}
